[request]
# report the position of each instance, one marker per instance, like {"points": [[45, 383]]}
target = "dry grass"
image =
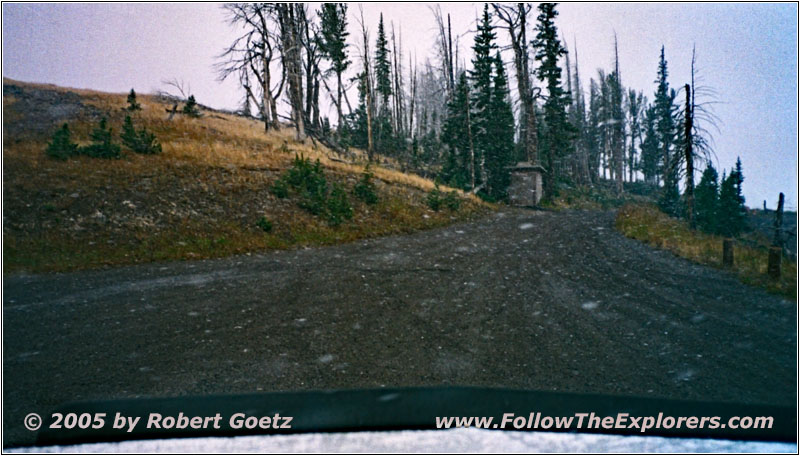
{"points": [[199, 198], [648, 224]]}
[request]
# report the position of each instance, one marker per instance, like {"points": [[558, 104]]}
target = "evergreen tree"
{"points": [[481, 79], [665, 129], [383, 68], [139, 141], [333, 42], [732, 211], [649, 149], [61, 146], [190, 108], [102, 143], [557, 132], [455, 136], [500, 151], [132, 104], [707, 201]]}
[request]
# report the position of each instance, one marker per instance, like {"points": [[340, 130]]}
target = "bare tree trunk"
{"points": [[368, 87], [516, 24], [293, 65], [471, 150], [689, 157], [339, 99]]}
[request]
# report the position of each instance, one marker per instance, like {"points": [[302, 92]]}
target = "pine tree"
{"points": [[334, 45], [665, 128], [732, 211], [61, 146], [707, 201], [649, 149], [132, 104], [481, 79], [102, 145], [558, 133], [190, 108], [500, 151], [383, 68], [455, 136], [139, 141]]}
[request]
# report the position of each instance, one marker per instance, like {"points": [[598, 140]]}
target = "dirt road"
{"points": [[522, 299]]}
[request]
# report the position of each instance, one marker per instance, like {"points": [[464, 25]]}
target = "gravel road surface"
{"points": [[521, 299]]}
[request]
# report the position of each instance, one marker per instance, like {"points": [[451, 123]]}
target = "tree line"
{"points": [[463, 123]]}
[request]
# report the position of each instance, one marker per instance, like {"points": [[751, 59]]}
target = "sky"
{"points": [[746, 53]]}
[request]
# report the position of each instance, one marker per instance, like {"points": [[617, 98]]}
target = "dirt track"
{"points": [[522, 299]]}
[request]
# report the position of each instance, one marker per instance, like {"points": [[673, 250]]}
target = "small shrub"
{"points": [[132, 104], [338, 206], [264, 224], [365, 189], [139, 141], [452, 201], [308, 181], [434, 199], [61, 146], [190, 108], [279, 188], [102, 145]]}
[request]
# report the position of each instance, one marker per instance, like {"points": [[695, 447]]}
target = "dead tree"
{"points": [[689, 157], [253, 55], [368, 85], [291, 55], [514, 21], [310, 41], [446, 51]]}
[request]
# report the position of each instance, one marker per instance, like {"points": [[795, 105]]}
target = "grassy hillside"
{"points": [[202, 197]]}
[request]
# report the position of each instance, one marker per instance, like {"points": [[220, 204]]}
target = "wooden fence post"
{"points": [[727, 253], [774, 263]]}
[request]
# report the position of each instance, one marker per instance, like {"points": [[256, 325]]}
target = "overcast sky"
{"points": [[746, 52]]}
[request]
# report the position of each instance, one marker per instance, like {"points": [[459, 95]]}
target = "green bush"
{"points": [[365, 189], [264, 224], [434, 199], [452, 201], [190, 108], [132, 104], [279, 188], [139, 141], [307, 182], [61, 146], [102, 144], [338, 206]]}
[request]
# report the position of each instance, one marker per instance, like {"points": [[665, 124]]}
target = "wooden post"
{"points": [[774, 263], [777, 239], [727, 253]]}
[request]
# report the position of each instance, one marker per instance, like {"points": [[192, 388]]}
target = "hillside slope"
{"points": [[201, 197]]}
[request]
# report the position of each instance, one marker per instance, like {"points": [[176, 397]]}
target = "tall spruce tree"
{"points": [[455, 136], [500, 150], [558, 133], [481, 78], [707, 200], [650, 163], [669, 200], [732, 211], [333, 42], [383, 68]]}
